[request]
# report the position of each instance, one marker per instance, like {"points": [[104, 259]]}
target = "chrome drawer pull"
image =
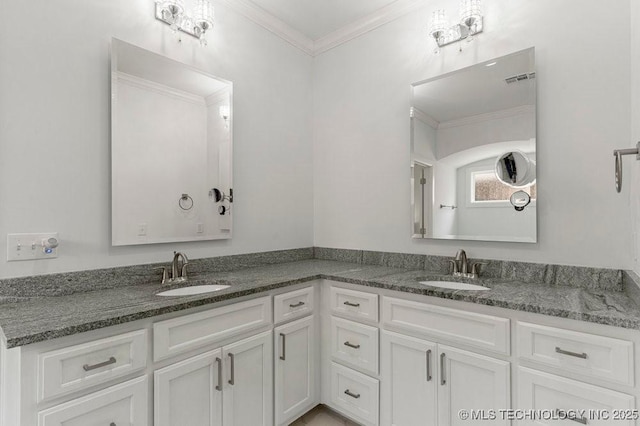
{"points": [[443, 377], [284, 346], [429, 365], [352, 395], [297, 305], [564, 415], [351, 345], [88, 367], [232, 379], [355, 305], [219, 385], [577, 355]]}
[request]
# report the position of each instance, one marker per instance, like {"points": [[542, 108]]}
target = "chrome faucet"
{"points": [[461, 266], [174, 267], [175, 275]]}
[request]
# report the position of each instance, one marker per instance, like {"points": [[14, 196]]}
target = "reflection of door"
{"points": [[423, 199]]}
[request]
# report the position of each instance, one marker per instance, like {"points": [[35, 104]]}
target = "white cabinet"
{"points": [[355, 394], [295, 369], [124, 404], [427, 383], [248, 389], [564, 398], [229, 386], [189, 393], [470, 381], [408, 381]]}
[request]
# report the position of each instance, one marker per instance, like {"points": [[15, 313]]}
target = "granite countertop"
{"points": [[27, 320]]}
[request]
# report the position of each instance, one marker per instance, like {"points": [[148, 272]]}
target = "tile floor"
{"points": [[322, 416]]}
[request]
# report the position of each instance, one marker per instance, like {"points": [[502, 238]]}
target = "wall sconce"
{"points": [[470, 24], [172, 12], [225, 111]]}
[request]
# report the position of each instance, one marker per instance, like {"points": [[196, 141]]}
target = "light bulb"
{"points": [[470, 12]]}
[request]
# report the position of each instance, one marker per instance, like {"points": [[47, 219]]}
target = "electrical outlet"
{"points": [[31, 246]]}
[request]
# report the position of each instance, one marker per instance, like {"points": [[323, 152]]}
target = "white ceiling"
{"points": [[142, 63], [479, 89], [316, 19]]}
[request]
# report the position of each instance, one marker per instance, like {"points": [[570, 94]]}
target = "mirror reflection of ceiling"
{"points": [[477, 90], [316, 19], [159, 69]]}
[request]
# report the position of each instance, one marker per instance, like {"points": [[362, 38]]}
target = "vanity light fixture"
{"points": [[470, 24], [225, 111], [172, 12]]}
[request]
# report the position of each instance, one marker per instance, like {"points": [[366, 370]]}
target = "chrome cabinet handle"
{"points": [[443, 377], [297, 305], [232, 376], [352, 395], [355, 305], [351, 345], [284, 346], [563, 414], [88, 367], [429, 377], [575, 354], [219, 385]]}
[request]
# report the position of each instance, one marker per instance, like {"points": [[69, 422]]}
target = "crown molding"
{"points": [[424, 117], [480, 118], [161, 89], [368, 23], [353, 30], [271, 23]]}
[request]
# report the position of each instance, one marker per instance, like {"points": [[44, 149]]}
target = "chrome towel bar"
{"points": [[618, 153]]}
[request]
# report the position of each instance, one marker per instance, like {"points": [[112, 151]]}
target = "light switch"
{"points": [[32, 246], [142, 229]]}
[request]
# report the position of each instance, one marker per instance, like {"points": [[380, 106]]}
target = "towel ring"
{"points": [[185, 202], [618, 153]]}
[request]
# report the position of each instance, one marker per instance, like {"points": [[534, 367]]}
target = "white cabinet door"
{"points": [[468, 381], [189, 393], [123, 404], [248, 391], [295, 375], [408, 381]]}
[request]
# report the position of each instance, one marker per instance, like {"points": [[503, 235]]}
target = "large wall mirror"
{"points": [[171, 150], [473, 152]]}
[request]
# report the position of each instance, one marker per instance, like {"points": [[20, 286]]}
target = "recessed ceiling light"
{"points": [[490, 64]]}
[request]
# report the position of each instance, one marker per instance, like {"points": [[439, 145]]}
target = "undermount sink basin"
{"points": [[454, 285], [196, 289]]}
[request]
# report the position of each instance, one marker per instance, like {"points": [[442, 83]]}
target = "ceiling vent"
{"points": [[520, 77]]}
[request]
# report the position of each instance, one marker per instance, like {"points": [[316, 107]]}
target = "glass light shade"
{"points": [[438, 24], [470, 12], [224, 112], [174, 7], [203, 14]]}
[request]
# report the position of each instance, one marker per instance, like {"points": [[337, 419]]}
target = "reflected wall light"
{"points": [[197, 24], [470, 24], [225, 111]]}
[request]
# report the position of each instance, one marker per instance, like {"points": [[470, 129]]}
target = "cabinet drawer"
{"points": [[355, 344], [124, 404], [355, 394], [78, 367], [291, 305], [452, 325], [182, 334], [585, 354], [565, 397], [354, 304]]}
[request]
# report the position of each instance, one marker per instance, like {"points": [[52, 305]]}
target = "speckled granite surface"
{"points": [[26, 320]]}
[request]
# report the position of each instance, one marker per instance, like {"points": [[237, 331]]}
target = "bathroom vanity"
{"points": [[369, 341]]}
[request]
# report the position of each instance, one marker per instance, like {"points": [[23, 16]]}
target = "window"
{"points": [[486, 188]]}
